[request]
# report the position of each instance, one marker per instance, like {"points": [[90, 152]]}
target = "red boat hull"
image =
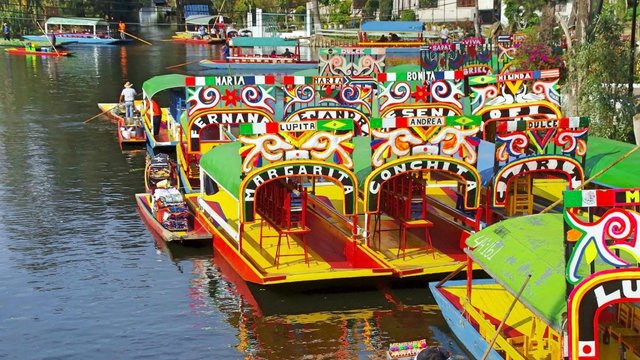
{"points": [[19, 51]]}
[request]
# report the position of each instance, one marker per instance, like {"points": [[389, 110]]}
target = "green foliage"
{"points": [[408, 15], [386, 7], [523, 13], [340, 12], [369, 10], [601, 74]]}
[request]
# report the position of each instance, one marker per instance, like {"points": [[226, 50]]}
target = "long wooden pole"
{"points": [[557, 202], [135, 37], [504, 319], [47, 37], [183, 64], [95, 116]]}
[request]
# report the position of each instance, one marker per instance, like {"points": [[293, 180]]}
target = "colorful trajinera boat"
{"points": [[130, 131], [381, 34], [160, 172], [166, 137], [40, 51], [569, 277], [79, 30], [274, 55], [168, 216], [212, 34]]}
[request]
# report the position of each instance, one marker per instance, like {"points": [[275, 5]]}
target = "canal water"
{"points": [[81, 277]]}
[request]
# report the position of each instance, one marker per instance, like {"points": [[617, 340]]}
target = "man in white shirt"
{"points": [[127, 96], [444, 35]]}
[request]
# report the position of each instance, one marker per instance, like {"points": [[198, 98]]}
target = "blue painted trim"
{"points": [[467, 335]]}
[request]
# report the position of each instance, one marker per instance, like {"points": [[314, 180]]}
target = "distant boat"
{"points": [[193, 37], [252, 54], [21, 43], [95, 31], [41, 51]]}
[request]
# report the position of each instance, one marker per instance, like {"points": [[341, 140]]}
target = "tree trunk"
{"points": [[583, 11], [317, 25], [476, 20]]}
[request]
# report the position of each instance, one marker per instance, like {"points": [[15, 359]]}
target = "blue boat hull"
{"points": [[79, 40], [270, 68], [467, 335]]}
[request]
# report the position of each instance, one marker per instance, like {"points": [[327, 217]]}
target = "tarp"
{"points": [[163, 82], [76, 21], [262, 41], [602, 152], [392, 26], [200, 19], [224, 164]]}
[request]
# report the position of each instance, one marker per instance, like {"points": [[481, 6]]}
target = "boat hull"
{"points": [[22, 51], [268, 67], [80, 40], [199, 233], [184, 40], [466, 333]]}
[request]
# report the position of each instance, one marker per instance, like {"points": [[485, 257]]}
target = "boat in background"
{"points": [[78, 29], [169, 132], [400, 37], [213, 34], [40, 51], [130, 131], [22, 43], [253, 54], [160, 172]]}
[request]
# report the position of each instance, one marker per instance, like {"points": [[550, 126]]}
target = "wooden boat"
{"points": [[409, 36], [160, 172], [193, 37], [130, 132], [22, 43], [168, 216], [95, 31], [569, 288], [252, 54], [40, 51], [168, 134]]}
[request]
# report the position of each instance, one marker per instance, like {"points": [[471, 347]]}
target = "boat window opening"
{"points": [[210, 187], [213, 133]]}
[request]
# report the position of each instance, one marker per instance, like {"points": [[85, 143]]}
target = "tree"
{"points": [[600, 75], [370, 7], [386, 7]]}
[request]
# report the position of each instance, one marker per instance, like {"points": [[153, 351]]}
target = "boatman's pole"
{"points": [[135, 37], [47, 36]]}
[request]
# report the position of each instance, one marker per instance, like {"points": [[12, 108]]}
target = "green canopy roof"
{"points": [[76, 21], [163, 82], [513, 248], [534, 244], [262, 41], [602, 152], [200, 19], [223, 163]]}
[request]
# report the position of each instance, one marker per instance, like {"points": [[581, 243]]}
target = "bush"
{"points": [[408, 15]]}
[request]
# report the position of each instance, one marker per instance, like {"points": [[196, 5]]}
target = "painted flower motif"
{"points": [[421, 93], [230, 97]]}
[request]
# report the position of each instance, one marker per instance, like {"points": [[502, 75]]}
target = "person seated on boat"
{"points": [[6, 32], [383, 38], [226, 50], [127, 96], [394, 37], [273, 54], [28, 46], [287, 53], [202, 32]]}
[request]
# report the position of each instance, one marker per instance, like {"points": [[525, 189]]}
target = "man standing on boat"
{"points": [[127, 96], [122, 27], [6, 32]]}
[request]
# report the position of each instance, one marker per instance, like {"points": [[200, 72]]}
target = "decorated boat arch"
{"points": [[474, 56], [352, 62], [215, 107]]}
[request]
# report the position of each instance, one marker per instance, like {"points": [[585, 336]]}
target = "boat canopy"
{"points": [[392, 26], [76, 21], [262, 41], [162, 82], [511, 249], [224, 164], [200, 19], [601, 152]]}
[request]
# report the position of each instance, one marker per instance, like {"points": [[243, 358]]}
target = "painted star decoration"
{"points": [[421, 93], [230, 97]]}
